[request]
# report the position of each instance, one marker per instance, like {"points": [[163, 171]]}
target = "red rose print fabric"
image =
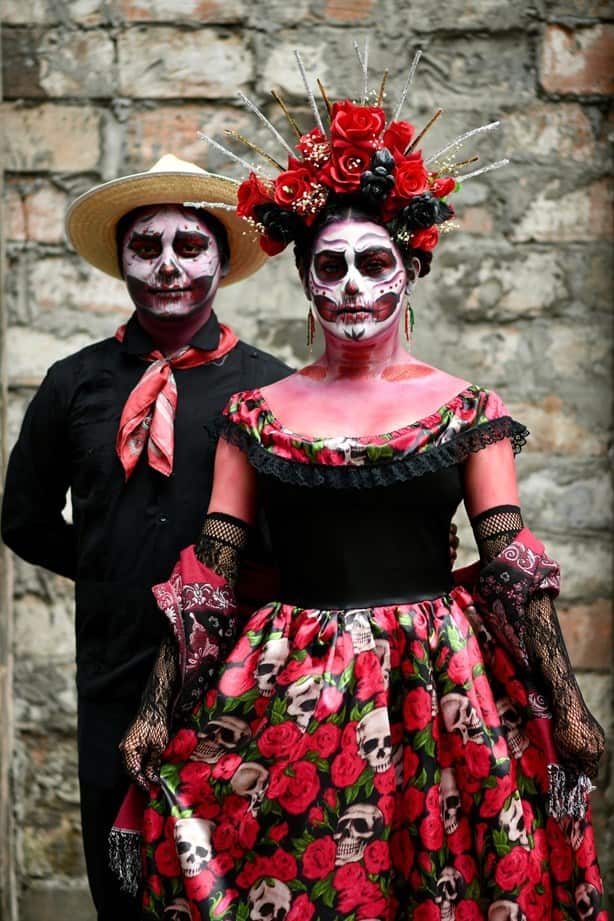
{"points": [[385, 763]]}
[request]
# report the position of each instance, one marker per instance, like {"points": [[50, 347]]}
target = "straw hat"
{"points": [[92, 219]]}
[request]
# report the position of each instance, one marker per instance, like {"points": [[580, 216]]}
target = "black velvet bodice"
{"points": [[351, 548]]}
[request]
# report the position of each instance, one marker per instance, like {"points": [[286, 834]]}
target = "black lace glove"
{"points": [[148, 734], [222, 542], [578, 736]]}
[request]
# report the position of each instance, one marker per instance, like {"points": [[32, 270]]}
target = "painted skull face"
{"points": [[356, 279], [171, 261]]}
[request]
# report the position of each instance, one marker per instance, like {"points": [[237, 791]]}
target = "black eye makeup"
{"points": [[330, 266], [146, 245]]}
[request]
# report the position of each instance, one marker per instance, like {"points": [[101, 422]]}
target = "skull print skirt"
{"points": [[382, 763]]}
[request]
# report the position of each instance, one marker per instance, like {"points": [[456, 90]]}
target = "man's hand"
{"points": [[454, 543]]}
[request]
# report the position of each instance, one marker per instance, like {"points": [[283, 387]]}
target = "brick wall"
{"points": [[519, 299]]}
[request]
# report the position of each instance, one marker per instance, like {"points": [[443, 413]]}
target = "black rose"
{"points": [[377, 182], [444, 212], [421, 212], [280, 225]]}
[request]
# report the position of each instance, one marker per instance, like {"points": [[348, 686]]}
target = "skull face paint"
{"points": [[171, 262], [356, 279]]}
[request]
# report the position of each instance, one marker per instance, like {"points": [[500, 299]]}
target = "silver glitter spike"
{"points": [[461, 139], [408, 83], [363, 60], [223, 205], [310, 96], [483, 169], [254, 108], [251, 168]]}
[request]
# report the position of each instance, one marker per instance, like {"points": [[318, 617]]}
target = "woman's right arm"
{"points": [[199, 604]]}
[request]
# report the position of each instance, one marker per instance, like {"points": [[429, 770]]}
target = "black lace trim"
{"points": [[384, 472]]}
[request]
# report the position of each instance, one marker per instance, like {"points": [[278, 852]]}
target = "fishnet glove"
{"points": [[578, 736], [222, 541], [148, 734]]}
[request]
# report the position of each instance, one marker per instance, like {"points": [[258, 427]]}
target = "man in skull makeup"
{"points": [[123, 424]]}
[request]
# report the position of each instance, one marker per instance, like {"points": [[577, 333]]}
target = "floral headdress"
{"points": [[362, 155]]}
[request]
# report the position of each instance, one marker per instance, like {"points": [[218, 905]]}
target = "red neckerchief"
{"points": [[149, 414]]}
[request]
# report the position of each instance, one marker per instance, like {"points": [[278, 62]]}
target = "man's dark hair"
{"points": [[213, 224]]}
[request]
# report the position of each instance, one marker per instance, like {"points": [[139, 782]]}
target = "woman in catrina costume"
{"points": [[385, 739]]}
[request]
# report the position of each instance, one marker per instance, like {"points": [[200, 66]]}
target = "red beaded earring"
{"points": [[311, 328]]}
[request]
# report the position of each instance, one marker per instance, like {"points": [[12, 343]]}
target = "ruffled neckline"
{"points": [[465, 423]]}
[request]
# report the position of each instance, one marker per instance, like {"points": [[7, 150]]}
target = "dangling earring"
{"points": [[409, 320], [311, 328]]}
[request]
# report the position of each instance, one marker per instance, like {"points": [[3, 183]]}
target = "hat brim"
{"points": [[91, 221]]}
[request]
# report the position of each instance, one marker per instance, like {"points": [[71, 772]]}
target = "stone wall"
{"points": [[519, 299]]}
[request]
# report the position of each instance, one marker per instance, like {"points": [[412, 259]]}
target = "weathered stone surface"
{"points": [[562, 8], [84, 12], [554, 429], [59, 62], [549, 131], [588, 633], [558, 213], [51, 137], [586, 565], [568, 497], [578, 61], [48, 903], [151, 133], [171, 63], [32, 352], [196, 12], [35, 211], [460, 16], [46, 693]]}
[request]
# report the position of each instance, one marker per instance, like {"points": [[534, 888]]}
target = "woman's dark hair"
{"points": [[339, 209], [213, 223]]}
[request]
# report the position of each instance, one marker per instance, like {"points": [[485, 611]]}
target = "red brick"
{"points": [[201, 11], [588, 633], [51, 137], [578, 61], [348, 10], [14, 215], [174, 129]]}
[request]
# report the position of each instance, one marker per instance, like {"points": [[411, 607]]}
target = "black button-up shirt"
{"points": [[125, 536]]}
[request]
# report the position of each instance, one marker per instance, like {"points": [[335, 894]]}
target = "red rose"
{"points": [[344, 169], [586, 855], [302, 788], [226, 767], [283, 866], [402, 850], [348, 737], [386, 806], [153, 824], [314, 147], [443, 186], [398, 137], [253, 191], [271, 247], [329, 702], [319, 858], [425, 239], [356, 125], [368, 895], [413, 803], [417, 712], [181, 746], [467, 910], [512, 869], [459, 668], [431, 832], [368, 671], [351, 877], [377, 857], [316, 815], [279, 741], [292, 185], [346, 769], [561, 863], [226, 838], [330, 798], [460, 840], [477, 759], [221, 865], [237, 679], [278, 832], [411, 177], [325, 740], [165, 859], [466, 865], [248, 831], [426, 911], [302, 909], [199, 887], [385, 782], [494, 798], [155, 884]]}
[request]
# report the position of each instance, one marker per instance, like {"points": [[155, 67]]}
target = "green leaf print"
{"points": [[375, 452], [295, 885], [278, 711], [501, 842], [170, 775], [421, 780], [242, 912], [301, 843], [526, 784], [455, 640]]}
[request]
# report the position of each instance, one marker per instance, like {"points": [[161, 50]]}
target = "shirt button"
{"points": [[163, 519]]}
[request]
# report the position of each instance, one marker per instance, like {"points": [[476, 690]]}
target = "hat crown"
{"points": [[169, 163]]}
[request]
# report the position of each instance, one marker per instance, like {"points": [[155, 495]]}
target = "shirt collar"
{"points": [[138, 342]]}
